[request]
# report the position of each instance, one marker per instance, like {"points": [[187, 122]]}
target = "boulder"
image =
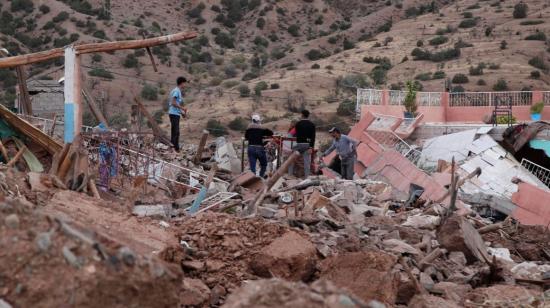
{"points": [[194, 292], [291, 257], [368, 275], [458, 234]]}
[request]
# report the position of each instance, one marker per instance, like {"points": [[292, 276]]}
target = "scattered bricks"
{"points": [[366, 274], [458, 234], [290, 256], [430, 301], [12, 221], [194, 293]]}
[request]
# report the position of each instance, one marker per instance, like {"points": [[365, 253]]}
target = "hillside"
{"points": [[275, 57]]}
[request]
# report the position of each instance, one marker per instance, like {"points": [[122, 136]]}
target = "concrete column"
{"points": [[72, 91], [445, 105]]}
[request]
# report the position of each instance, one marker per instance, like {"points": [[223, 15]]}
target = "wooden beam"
{"points": [[17, 156], [95, 47], [23, 91], [30, 131], [95, 108], [157, 131], [200, 149], [4, 151]]}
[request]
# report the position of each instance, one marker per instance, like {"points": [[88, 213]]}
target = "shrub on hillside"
{"points": [[315, 54], [438, 40], [347, 44], [476, 70], [44, 9], [537, 36], [500, 85], [535, 74], [62, 16], [244, 90], [520, 10], [260, 86], [225, 40], [423, 76], [460, 78], [149, 92], [468, 23], [238, 124], [531, 22], [481, 82], [294, 30], [216, 128], [346, 108], [538, 62], [130, 61], [100, 72], [439, 75]]}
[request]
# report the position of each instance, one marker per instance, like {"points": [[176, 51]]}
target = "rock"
{"points": [[275, 293], [214, 265], [375, 304], [4, 304], [453, 291], [266, 212], [36, 180], [503, 295], [290, 257], [430, 301], [399, 247], [70, 257], [426, 281], [458, 234], [43, 241], [502, 254], [422, 222], [367, 274], [194, 292], [458, 258], [192, 265], [530, 270], [405, 291], [12, 221], [217, 293], [127, 256], [160, 211]]}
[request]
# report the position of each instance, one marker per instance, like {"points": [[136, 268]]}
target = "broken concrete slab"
{"points": [[290, 256], [458, 234], [160, 211], [366, 274]]}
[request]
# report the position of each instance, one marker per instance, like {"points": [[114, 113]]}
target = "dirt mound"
{"points": [[48, 263], [219, 247], [279, 293], [368, 274], [290, 256]]}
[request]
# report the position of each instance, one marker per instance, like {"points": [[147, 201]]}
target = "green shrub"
{"points": [[100, 34], [531, 22], [261, 41], [423, 76], [62, 16], [520, 10], [158, 115], [315, 66], [467, 15], [468, 23], [503, 45], [216, 128], [378, 75], [438, 40], [476, 70], [238, 124], [315, 54], [260, 86], [260, 23], [538, 36], [244, 90], [294, 30], [439, 75], [503, 119], [44, 9], [537, 108], [346, 108], [462, 44], [225, 40], [538, 62], [130, 61], [96, 58], [274, 86], [419, 43], [535, 74], [481, 82], [100, 72], [501, 85], [353, 81], [410, 97], [386, 27], [460, 78], [230, 84], [119, 121], [149, 92], [347, 44], [22, 5], [458, 89]]}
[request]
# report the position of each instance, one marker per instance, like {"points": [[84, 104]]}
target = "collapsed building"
{"points": [[115, 218]]}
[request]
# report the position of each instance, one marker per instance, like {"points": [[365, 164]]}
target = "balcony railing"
{"points": [[539, 171]]}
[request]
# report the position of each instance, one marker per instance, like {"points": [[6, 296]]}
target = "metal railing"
{"points": [[539, 171], [429, 98], [369, 97], [390, 141], [489, 99], [397, 97], [45, 125]]}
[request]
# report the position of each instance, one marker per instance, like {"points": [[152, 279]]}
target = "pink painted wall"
{"points": [[445, 113], [533, 205]]}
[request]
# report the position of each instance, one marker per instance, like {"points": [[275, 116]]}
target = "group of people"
{"points": [[256, 134]]}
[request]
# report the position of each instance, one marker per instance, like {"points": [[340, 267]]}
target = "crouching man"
{"points": [[346, 148]]}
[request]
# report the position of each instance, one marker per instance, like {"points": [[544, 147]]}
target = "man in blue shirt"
{"points": [[175, 111], [346, 148]]}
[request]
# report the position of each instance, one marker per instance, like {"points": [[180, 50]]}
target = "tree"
{"points": [[520, 10], [410, 98]]}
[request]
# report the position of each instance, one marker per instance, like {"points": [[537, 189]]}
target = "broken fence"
{"points": [[539, 171]]}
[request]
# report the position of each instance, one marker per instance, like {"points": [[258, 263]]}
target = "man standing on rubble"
{"points": [[305, 141], [346, 148], [255, 134], [176, 111]]}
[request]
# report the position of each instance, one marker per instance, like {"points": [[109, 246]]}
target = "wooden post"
{"points": [[157, 131], [17, 156], [94, 109], [200, 149], [52, 130], [26, 105], [4, 151], [72, 90]]}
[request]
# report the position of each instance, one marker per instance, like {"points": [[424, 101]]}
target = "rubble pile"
{"points": [[193, 230]]}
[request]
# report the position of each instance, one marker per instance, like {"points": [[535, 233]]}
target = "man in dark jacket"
{"points": [[305, 141], [255, 135]]}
